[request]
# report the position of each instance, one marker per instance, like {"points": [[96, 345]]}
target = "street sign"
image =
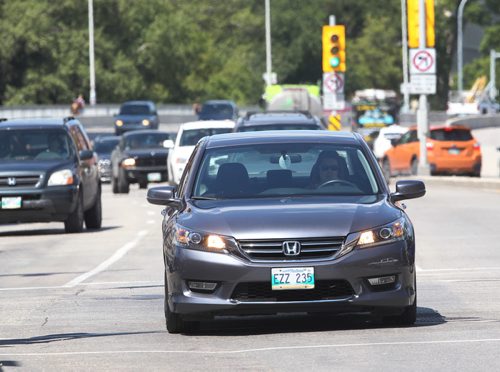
{"points": [[423, 84], [423, 61], [333, 101], [273, 77], [333, 82]]}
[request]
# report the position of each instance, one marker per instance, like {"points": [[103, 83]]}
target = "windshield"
{"points": [[290, 169], [145, 141], [254, 128], [35, 144], [192, 136], [106, 146], [220, 110], [135, 110], [449, 134]]}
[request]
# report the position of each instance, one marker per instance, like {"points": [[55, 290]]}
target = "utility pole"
{"points": [[422, 114], [269, 68], [460, 47], [404, 27], [92, 97]]}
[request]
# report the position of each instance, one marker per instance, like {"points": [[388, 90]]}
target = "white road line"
{"points": [[241, 351], [459, 269], [132, 283], [105, 264]]}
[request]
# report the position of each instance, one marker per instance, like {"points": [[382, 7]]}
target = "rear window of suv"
{"points": [[450, 134]]}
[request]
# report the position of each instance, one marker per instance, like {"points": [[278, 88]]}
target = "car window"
{"points": [[135, 110], [35, 144], [252, 128], [105, 147], [410, 136], [191, 137], [186, 174], [451, 134], [145, 140], [217, 109], [289, 169]]}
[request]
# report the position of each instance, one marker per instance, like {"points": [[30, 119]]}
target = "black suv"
{"points": [[278, 120], [48, 172]]}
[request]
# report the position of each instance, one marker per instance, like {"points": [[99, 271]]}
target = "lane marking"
{"points": [[242, 351], [107, 263], [459, 269], [124, 283]]}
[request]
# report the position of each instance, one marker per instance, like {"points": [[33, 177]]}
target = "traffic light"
{"points": [[334, 48]]}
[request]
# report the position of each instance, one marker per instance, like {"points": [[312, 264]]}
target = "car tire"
{"points": [[386, 169], [414, 167], [114, 185], [74, 222], [143, 184], [93, 217], [408, 316], [174, 321], [123, 185]]}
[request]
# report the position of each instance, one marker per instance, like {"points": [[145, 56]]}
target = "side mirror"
{"points": [[394, 142], [86, 154], [163, 195], [408, 189], [168, 144]]}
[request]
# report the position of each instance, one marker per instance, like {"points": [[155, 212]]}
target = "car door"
{"points": [[406, 148]]}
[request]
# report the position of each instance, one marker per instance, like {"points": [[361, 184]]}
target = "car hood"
{"points": [[20, 167], [141, 153], [291, 218]]}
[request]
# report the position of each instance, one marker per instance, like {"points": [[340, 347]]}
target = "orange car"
{"points": [[450, 149]]}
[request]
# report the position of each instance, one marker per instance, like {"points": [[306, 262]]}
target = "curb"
{"points": [[460, 181]]}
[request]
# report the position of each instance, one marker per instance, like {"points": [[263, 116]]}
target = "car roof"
{"points": [[201, 124], [106, 138], [274, 136], [219, 102], [278, 117], [143, 131], [130, 103], [33, 123], [443, 126]]}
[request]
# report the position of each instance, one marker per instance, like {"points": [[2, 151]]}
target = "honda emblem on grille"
{"points": [[291, 248], [11, 181]]}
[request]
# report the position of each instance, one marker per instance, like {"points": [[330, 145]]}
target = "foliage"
{"points": [[186, 50]]}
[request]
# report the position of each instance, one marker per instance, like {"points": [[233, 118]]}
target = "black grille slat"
{"points": [[271, 250], [262, 292], [151, 162]]}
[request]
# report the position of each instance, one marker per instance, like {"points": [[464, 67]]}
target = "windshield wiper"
{"points": [[203, 198]]}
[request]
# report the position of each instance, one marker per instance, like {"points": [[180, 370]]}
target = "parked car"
{"points": [[136, 115], [140, 157], [383, 141], [450, 150], [286, 221], [218, 110], [48, 172], [103, 146], [278, 120], [187, 137]]}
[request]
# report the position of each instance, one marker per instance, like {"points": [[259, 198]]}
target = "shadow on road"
{"points": [[291, 323], [39, 232], [65, 337]]}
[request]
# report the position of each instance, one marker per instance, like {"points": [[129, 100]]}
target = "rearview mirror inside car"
{"points": [[294, 158]]}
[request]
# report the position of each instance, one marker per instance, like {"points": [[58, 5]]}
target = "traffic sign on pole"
{"points": [[423, 61]]}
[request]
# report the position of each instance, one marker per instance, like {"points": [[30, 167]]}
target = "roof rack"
{"points": [[303, 112], [68, 118]]}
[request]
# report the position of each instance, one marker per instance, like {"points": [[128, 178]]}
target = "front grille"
{"points": [[21, 181], [151, 161], [262, 292], [272, 250]]}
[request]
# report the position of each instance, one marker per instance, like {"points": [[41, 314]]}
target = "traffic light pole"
{"points": [[422, 114]]}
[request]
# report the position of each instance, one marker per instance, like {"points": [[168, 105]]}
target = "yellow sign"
{"points": [[413, 23], [334, 122]]}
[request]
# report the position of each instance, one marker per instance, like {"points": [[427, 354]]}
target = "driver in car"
{"points": [[326, 169]]}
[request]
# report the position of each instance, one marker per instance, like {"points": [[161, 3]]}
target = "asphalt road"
{"points": [[94, 301]]}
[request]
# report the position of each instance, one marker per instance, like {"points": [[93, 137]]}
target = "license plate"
{"points": [[153, 177], [454, 151], [292, 278], [11, 202]]}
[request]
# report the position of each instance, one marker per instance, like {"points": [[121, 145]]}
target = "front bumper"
{"points": [[54, 203], [229, 271], [145, 174]]}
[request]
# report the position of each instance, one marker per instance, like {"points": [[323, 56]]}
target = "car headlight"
{"points": [[203, 241], [119, 123], [129, 162], [181, 160], [62, 177], [145, 122]]}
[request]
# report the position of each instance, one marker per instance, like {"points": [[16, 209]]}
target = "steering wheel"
{"points": [[333, 182]]}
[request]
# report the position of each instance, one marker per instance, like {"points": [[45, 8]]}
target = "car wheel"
{"points": [[123, 185], [174, 322], [386, 169], [74, 222], [143, 184], [408, 316], [93, 217], [114, 185], [414, 167]]}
